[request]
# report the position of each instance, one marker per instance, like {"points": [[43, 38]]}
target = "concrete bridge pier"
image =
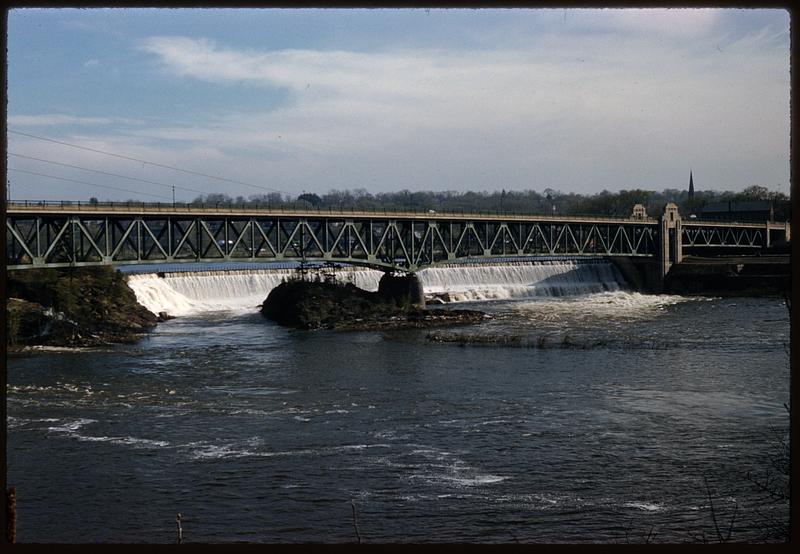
{"points": [[669, 239], [647, 274], [404, 289], [777, 232]]}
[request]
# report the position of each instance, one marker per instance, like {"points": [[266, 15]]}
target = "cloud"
{"points": [[590, 80], [673, 22], [576, 112], [62, 119]]}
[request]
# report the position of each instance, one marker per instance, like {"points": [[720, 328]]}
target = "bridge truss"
{"points": [[402, 243], [721, 235], [61, 235]]}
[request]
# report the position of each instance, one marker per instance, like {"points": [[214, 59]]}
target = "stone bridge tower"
{"points": [[671, 248]]}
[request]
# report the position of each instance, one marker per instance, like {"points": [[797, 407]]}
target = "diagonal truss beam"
{"points": [[405, 243]]}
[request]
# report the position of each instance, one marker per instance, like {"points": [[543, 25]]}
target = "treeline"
{"points": [[527, 201]]}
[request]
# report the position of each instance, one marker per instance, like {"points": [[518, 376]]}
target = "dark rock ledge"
{"points": [[329, 305], [83, 307]]}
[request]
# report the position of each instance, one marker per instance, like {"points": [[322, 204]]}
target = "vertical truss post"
{"points": [[170, 251], [107, 252], [252, 224], [302, 225], [39, 238], [371, 253], [139, 249], [226, 253], [74, 254], [198, 238], [412, 252], [431, 229]]}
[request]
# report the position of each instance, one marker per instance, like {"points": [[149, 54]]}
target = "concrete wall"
{"points": [[641, 274]]}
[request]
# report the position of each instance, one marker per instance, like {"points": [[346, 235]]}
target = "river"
{"points": [[603, 424]]}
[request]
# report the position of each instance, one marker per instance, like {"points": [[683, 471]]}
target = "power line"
{"points": [[104, 172], [189, 171], [85, 183]]}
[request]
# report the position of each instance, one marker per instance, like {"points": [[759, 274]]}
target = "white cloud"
{"points": [[589, 98], [579, 113]]}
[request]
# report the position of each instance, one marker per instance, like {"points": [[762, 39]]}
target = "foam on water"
{"points": [[71, 427], [645, 506], [128, 441], [601, 305], [180, 294], [204, 450], [72, 430]]}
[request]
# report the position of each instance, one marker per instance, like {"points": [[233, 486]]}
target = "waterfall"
{"points": [[186, 293], [181, 294], [460, 283]]}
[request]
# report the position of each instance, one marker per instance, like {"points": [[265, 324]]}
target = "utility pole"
{"points": [[173, 196]]}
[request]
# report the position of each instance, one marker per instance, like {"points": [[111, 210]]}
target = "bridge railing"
{"points": [[312, 211], [53, 206]]}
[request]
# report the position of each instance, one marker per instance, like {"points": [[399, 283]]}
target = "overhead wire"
{"points": [[139, 160], [87, 183], [104, 172]]}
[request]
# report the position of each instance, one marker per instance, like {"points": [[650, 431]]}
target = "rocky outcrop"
{"points": [[329, 305], [403, 289], [73, 307]]}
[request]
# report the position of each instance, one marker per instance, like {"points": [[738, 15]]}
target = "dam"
{"points": [[184, 293]]}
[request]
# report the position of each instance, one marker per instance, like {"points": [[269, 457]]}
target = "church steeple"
{"points": [[691, 186]]}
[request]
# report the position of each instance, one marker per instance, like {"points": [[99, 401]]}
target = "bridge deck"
{"points": [[190, 210], [193, 210]]}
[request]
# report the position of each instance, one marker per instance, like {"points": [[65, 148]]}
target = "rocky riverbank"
{"points": [[72, 307], [328, 305]]}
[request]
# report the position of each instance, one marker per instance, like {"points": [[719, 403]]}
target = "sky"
{"points": [[295, 100]]}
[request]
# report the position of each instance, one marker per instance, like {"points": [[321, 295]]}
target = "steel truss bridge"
{"points": [[74, 234]]}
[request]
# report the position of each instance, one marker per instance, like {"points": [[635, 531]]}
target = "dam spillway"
{"points": [[186, 293]]}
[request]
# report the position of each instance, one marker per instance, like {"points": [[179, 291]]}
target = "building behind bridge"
{"points": [[751, 210], [743, 210]]}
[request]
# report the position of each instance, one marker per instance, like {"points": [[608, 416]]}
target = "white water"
{"points": [[521, 280], [180, 294]]}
